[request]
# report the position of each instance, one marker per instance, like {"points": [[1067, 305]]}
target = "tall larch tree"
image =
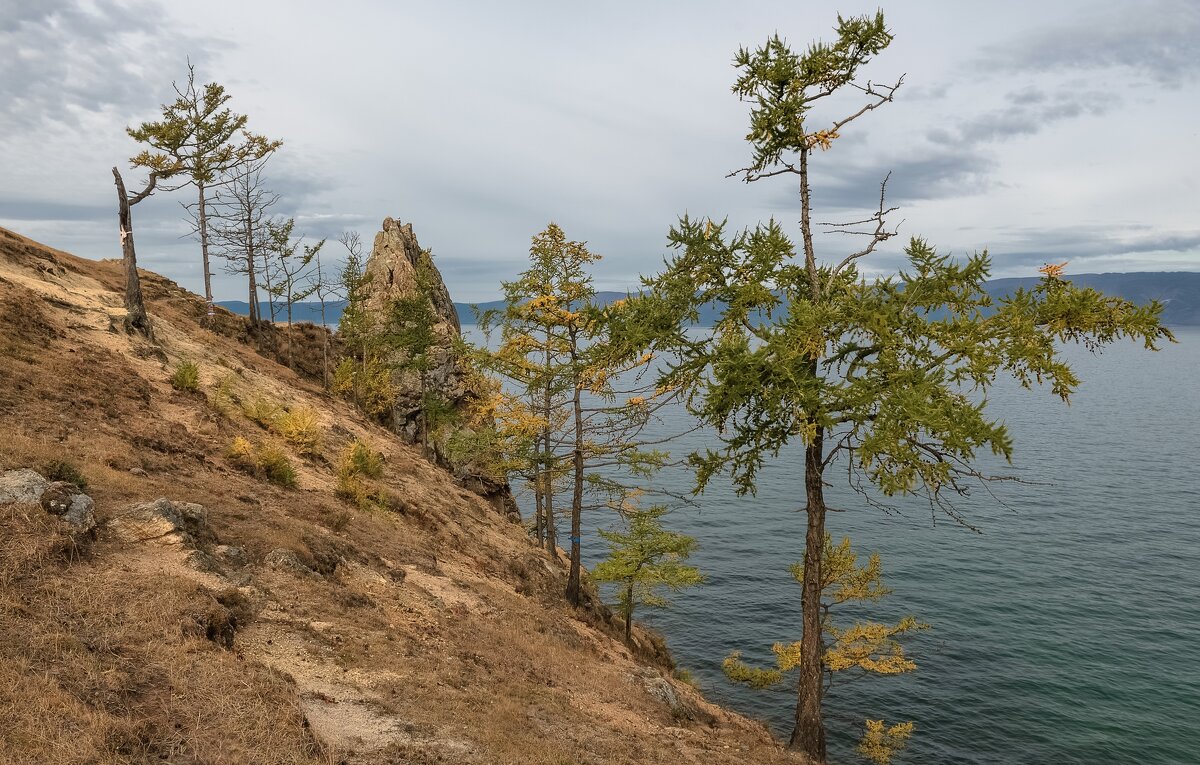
{"points": [[204, 141], [886, 377]]}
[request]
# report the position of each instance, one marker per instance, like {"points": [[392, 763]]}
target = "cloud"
{"points": [[926, 173], [1030, 248], [62, 58], [1155, 40]]}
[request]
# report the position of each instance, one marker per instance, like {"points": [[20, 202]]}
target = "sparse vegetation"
{"points": [[223, 397], [262, 411], [357, 464], [263, 459], [186, 376], [62, 470]]}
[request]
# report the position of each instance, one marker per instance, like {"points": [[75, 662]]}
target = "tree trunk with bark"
{"points": [[809, 734], [136, 318]]}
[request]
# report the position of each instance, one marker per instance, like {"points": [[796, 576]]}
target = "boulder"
{"points": [[162, 522], [21, 486], [69, 503]]}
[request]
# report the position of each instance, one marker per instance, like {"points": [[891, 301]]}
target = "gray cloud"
{"points": [[926, 173], [1030, 248], [1155, 40], [62, 57]]}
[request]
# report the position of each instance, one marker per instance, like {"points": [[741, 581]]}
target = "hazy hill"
{"points": [[1178, 290], [239, 622]]}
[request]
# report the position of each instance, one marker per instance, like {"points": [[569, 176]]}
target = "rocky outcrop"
{"points": [[64, 500], [400, 268], [162, 522]]}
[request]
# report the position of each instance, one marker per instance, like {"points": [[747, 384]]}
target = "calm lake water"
{"points": [[1068, 631]]}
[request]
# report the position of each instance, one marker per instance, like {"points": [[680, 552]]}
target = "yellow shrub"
{"points": [[186, 376], [299, 428]]}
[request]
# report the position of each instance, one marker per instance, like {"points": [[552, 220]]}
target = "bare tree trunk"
{"points": [[629, 614], [250, 269], [809, 734], [202, 219], [135, 307], [573, 579], [289, 324]]}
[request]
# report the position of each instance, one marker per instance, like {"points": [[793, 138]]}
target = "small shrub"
{"points": [[361, 460], [262, 411], [266, 460], [299, 428], [357, 463], [223, 397], [342, 383], [275, 465], [186, 376], [241, 454], [61, 470]]}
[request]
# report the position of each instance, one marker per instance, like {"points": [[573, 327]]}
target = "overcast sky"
{"points": [[1039, 131]]}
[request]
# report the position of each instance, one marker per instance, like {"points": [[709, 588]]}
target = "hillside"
{"points": [[1179, 291], [237, 621]]}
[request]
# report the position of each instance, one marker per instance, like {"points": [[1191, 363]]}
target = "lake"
{"points": [[1068, 631]]}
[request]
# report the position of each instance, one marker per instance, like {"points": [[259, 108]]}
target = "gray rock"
{"points": [[137, 471], [21, 486], [162, 522], [230, 554], [70, 504], [203, 562], [282, 559], [662, 690]]}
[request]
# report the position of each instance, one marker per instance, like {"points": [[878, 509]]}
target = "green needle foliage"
{"points": [[201, 140], [644, 561], [882, 380]]}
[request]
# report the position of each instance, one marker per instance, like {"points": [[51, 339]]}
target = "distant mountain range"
{"points": [[1178, 290]]}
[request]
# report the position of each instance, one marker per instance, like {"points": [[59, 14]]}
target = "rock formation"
{"points": [[394, 271], [399, 268]]}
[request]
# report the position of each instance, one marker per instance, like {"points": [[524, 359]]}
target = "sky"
{"points": [[1038, 131]]}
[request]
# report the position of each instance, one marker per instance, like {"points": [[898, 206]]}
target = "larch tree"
{"points": [[239, 214], [645, 560], [863, 648], [292, 259], [203, 140], [554, 340], [884, 380]]}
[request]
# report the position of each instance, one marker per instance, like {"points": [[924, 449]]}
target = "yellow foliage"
{"points": [[299, 427], [787, 655], [1054, 270], [740, 672], [879, 744], [262, 411], [823, 139], [871, 646]]}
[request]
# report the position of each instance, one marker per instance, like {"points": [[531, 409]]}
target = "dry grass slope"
{"points": [[295, 627]]}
